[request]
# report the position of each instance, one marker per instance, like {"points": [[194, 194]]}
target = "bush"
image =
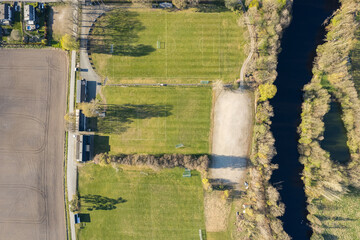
{"points": [[68, 42], [75, 203], [267, 91], [181, 4], [193, 162]]}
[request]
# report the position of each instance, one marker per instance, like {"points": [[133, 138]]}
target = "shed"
{"points": [[81, 90], [77, 218]]}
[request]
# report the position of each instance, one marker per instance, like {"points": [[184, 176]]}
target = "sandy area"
{"points": [[232, 130], [62, 22]]}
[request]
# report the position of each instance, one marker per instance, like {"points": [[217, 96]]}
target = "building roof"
{"points": [[5, 11], [80, 91], [29, 13]]}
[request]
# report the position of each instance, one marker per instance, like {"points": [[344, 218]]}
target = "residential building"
{"points": [[30, 17], [5, 14]]}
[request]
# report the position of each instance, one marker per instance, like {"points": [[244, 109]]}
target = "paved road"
{"points": [[71, 162], [89, 15]]}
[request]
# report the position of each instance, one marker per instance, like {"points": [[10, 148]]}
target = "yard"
{"points": [[153, 120], [140, 204], [153, 46]]}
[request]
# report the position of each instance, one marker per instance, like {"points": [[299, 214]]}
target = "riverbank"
{"points": [[260, 207], [326, 178]]}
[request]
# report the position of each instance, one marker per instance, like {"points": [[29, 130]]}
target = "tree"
{"points": [[193, 2], [267, 91], [90, 109], [75, 203], [181, 4], [68, 42], [145, 3], [232, 4]]}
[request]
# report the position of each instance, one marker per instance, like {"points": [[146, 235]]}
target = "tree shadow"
{"points": [[117, 34], [329, 236], [84, 217], [211, 8], [97, 202], [101, 144], [119, 115]]}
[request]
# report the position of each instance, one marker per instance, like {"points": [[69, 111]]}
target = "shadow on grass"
{"points": [[84, 217], [117, 33], [97, 202], [118, 115], [328, 236], [211, 8], [101, 144]]}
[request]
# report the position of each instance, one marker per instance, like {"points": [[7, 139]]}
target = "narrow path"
{"points": [[252, 44], [71, 169]]}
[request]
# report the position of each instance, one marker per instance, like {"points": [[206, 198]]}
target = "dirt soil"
{"points": [[232, 131], [62, 23], [32, 108]]}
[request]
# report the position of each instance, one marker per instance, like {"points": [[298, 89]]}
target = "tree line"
{"points": [[260, 220], [324, 178]]}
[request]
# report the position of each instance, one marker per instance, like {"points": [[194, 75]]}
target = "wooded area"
{"points": [[324, 178]]}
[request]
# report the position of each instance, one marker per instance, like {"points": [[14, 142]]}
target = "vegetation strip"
{"points": [[261, 204], [326, 180]]}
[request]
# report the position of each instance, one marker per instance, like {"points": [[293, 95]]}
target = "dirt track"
{"points": [[233, 122], [32, 106]]}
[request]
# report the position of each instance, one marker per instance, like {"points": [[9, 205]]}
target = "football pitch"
{"points": [[153, 46], [153, 120], [140, 204]]}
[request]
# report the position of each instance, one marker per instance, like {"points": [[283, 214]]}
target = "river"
{"points": [[298, 45]]}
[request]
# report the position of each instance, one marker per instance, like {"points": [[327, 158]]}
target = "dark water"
{"points": [[294, 71], [335, 137]]}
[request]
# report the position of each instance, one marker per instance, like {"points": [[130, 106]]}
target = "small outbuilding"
{"points": [[77, 218]]}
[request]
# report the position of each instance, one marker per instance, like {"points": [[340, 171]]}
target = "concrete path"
{"points": [[71, 162], [232, 131]]}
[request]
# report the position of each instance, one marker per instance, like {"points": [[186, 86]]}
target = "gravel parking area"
{"points": [[32, 106], [233, 122]]}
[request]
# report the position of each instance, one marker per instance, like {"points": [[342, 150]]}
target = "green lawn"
{"points": [[153, 205], [154, 120], [341, 219], [194, 46]]}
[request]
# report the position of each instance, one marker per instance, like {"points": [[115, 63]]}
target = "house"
{"points": [[30, 17], [5, 14]]}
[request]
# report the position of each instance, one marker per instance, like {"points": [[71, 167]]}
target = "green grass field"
{"points": [[154, 205], [341, 219], [154, 120], [194, 46]]}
